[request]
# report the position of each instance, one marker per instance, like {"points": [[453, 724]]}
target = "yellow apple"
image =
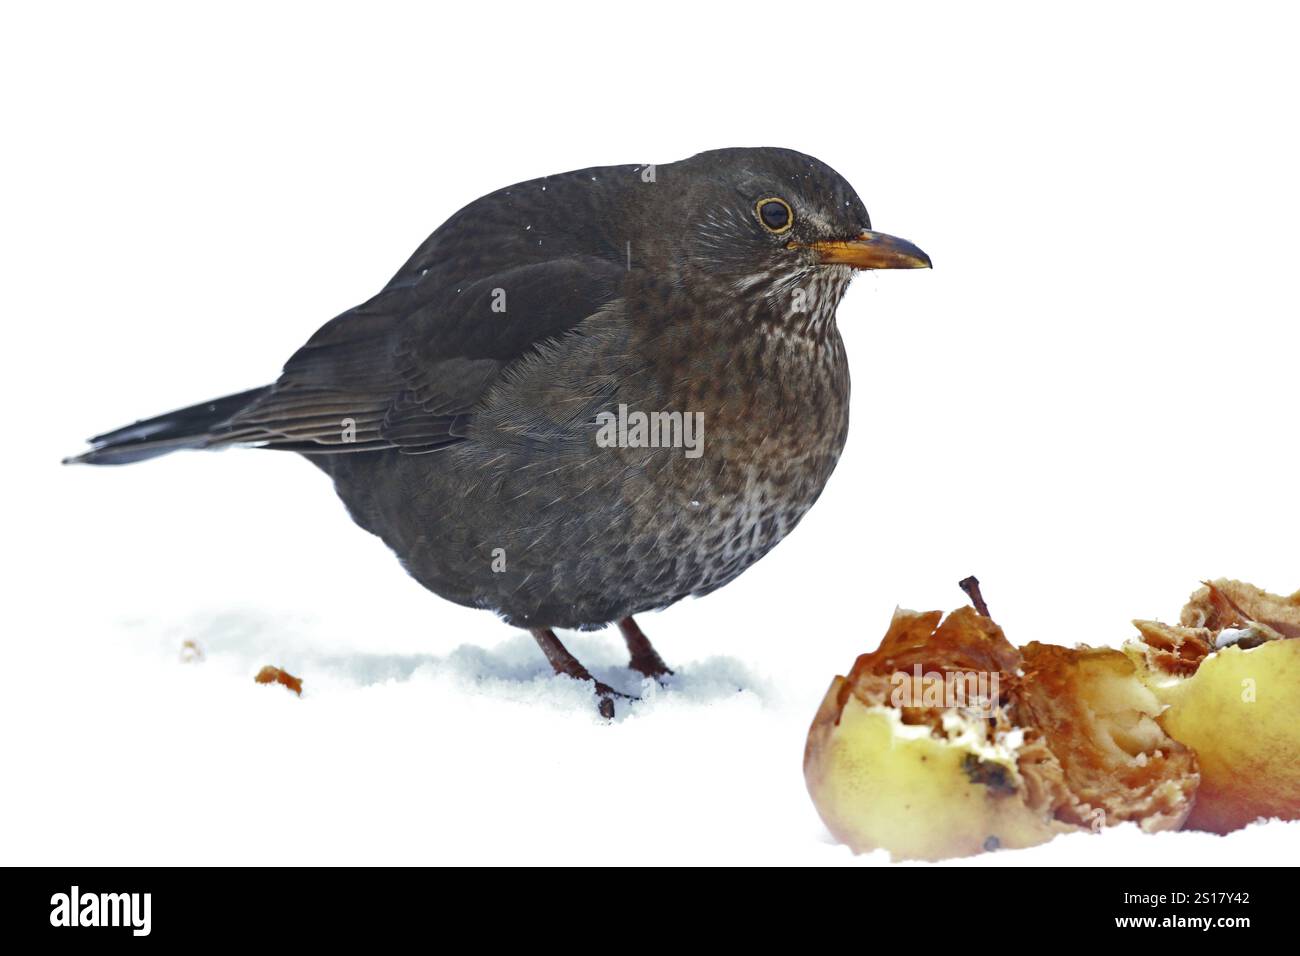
{"points": [[1065, 740]]}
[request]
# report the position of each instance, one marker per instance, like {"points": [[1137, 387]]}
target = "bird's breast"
{"points": [[772, 419]]}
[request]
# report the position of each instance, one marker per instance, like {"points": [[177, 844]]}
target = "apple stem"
{"points": [[971, 586]]}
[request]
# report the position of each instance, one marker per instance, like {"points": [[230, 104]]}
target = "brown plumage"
{"points": [[466, 412]]}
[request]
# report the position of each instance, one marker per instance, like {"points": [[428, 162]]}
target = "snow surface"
{"points": [[119, 752]]}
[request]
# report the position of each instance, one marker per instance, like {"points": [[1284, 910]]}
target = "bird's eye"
{"points": [[775, 214]]}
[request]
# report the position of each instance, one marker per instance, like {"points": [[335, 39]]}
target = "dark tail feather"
{"points": [[195, 427]]}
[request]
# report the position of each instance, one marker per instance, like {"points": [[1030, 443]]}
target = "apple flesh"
{"points": [[1069, 742], [1240, 712]]}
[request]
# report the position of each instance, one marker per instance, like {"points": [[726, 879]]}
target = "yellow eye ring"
{"points": [[775, 214]]}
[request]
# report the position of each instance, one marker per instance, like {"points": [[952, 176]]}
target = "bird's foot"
{"points": [[644, 658], [651, 665], [562, 662]]}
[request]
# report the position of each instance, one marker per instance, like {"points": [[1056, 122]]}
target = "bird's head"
{"points": [[770, 223]]}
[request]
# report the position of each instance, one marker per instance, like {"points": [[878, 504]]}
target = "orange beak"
{"points": [[871, 250]]}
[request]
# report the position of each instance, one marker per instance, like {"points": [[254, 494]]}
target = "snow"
{"points": [[393, 755], [476, 755]]}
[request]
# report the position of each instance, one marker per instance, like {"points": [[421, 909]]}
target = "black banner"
{"points": [[939, 904]]}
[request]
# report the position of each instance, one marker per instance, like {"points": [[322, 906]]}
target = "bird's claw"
{"points": [[653, 667], [643, 658], [605, 699]]}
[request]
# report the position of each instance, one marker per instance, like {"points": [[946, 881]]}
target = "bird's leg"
{"points": [[645, 659], [565, 663]]}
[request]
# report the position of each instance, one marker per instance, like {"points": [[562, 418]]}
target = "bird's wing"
{"points": [[406, 369]]}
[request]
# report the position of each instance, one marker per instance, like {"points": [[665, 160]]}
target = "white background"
{"points": [[1090, 402]]}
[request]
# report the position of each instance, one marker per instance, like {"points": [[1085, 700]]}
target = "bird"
{"points": [[585, 396]]}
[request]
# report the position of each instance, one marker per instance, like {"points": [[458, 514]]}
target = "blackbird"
{"points": [[584, 396]]}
